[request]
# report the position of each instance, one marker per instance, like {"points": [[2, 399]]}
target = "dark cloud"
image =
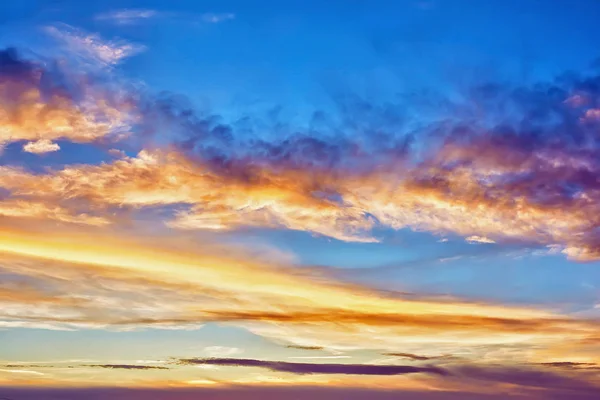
{"points": [[526, 377], [107, 366], [125, 366], [310, 368], [32, 366], [410, 356], [572, 365], [293, 346], [12, 67]]}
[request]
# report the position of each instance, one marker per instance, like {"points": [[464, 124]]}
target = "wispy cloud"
{"points": [[479, 239], [102, 281], [127, 16], [291, 346], [91, 47], [216, 18], [221, 351], [136, 16], [410, 356], [22, 371]]}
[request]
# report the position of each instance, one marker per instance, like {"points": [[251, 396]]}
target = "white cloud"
{"points": [[134, 16], [41, 147], [127, 16], [221, 351], [92, 48], [21, 371], [479, 239]]}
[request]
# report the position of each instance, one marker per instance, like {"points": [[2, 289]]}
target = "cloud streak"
{"points": [[91, 48], [127, 16], [140, 15], [310, 368], [126, 366]]}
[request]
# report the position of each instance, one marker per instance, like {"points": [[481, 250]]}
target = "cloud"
{"points": [[486, 179], [91, 48], [21, 208], [217, 18], [136, 16], [410, 356], [155, 179], [88, 280], [478, 179], [127, 16], [22, 371], [221, 351], [483, 180], [309, 368], [479, 239], [525, 377], [572, 365], [126, 366], [304, 347], [41, 147], [40, 103]]}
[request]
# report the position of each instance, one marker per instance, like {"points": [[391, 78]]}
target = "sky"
{"points": [[302, 199]]}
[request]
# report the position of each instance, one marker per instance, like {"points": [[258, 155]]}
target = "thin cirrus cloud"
{"points": [[140, 15], [91, 48], [127, 16]]}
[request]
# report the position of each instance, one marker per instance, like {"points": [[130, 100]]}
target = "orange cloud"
{"points": [[104, 281], [464, 201], [37, 110]]}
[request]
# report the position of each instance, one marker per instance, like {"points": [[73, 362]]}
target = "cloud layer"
{"points": [[514, 164]]}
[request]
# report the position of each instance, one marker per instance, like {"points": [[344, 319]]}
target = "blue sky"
{"points": [[280, 75]]}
